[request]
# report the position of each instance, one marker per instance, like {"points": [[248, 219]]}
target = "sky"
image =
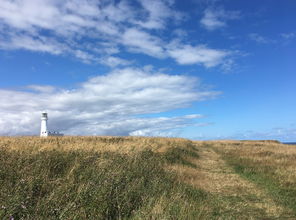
{"points": [[198, 69]]}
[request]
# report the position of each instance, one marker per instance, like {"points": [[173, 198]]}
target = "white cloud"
{"points": [[187, 54], [114, 61], [27, 42], [217, 18], [106, 104], [164, 126], [42, 88], [142, 42], [84, 56], [158, 11], [92, 30], [161, 126]]}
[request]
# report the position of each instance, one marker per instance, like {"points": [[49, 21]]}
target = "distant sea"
{"points": [[292, 143]]}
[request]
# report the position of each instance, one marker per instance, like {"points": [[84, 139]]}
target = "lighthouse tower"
{"points": [[44, 130]]}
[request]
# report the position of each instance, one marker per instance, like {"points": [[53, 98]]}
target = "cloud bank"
{"points": [[100, 31], [121, 102]]}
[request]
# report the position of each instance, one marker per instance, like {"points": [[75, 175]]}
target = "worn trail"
{"points": [[236, 194]]}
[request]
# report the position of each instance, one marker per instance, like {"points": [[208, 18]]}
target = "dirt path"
{"points": [[213, 175]]}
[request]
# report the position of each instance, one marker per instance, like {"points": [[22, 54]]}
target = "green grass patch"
{"points": [[265, 178], [176, 155]]}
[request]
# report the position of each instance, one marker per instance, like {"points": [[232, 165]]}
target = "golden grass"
{"points": [[280, 157], [229, 192], [91, 143], [215, 176], [270, 165], [93, 178]]}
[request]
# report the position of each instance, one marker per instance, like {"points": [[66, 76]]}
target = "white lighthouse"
{"points": [[44, 130]]}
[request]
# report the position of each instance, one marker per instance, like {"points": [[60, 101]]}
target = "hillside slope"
{"points": [[145, 178]]}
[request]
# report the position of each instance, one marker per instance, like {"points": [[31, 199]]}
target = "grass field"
{"points": [[145, 178]]}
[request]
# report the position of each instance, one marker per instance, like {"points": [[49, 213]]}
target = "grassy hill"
{"points": [[145, 178]]}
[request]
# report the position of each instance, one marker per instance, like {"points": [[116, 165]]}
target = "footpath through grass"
{"points": [[271, 166], [144, 178]]}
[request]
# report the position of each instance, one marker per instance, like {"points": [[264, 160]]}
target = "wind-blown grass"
{"points": [[145, 178], [55, 178], [269, 164]]}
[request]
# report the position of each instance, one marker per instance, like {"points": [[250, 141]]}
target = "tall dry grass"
{"points": [[280, 159], [95, 178], [138, 178], [269, 164], [93, 144]]}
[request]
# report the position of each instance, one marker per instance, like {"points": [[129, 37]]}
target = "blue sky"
{"points": [[203, 69]]}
